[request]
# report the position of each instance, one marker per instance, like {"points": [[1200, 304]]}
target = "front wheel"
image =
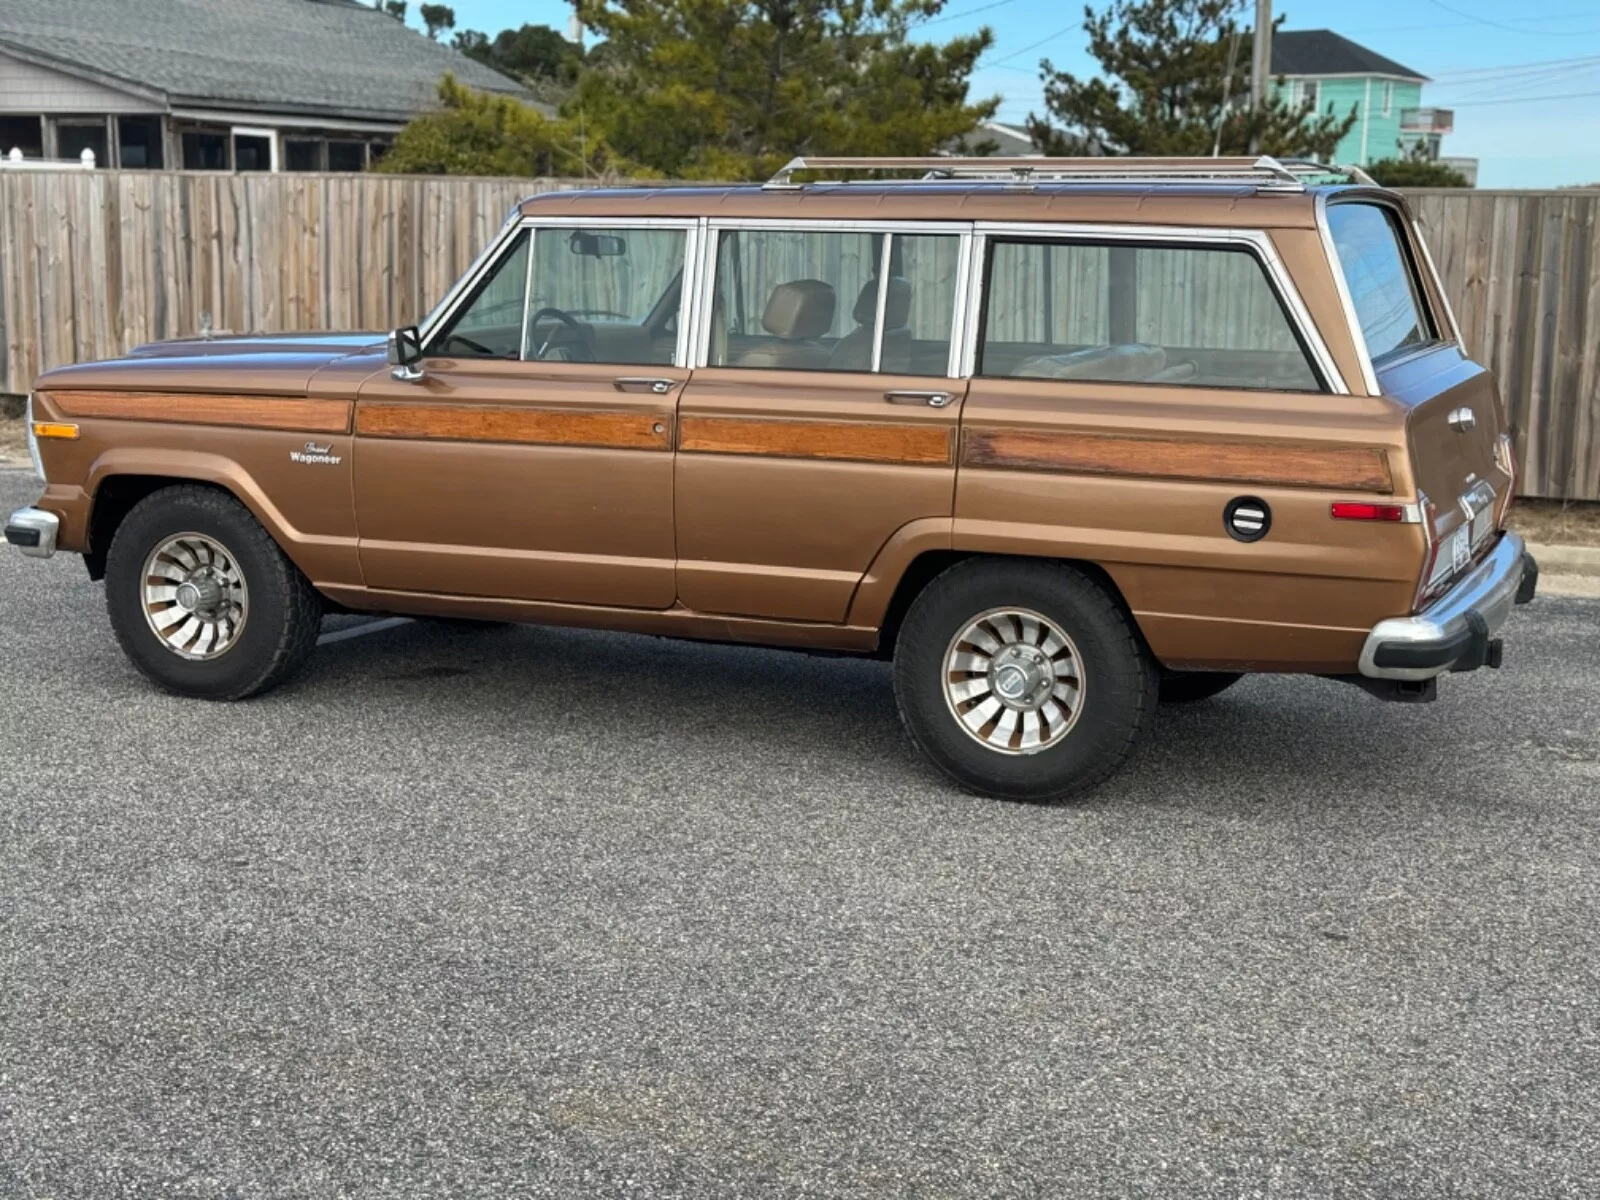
{"points": [[1022, 680], [202, 599]]}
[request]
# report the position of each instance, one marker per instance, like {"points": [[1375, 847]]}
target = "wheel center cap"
{"points": [[1012, 681], [197, 594]]}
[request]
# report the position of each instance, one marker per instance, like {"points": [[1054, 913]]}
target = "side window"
{"points": [[811, 301], [605, 295], [489, 324], [1382, 287], [1194, 316]]}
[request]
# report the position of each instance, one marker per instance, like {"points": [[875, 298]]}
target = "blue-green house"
{"points": [[1338, 75]]}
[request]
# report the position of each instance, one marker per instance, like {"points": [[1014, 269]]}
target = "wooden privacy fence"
{"points": [[95, 263]]}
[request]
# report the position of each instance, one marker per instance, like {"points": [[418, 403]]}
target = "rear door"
{"points": [[824, 418], [1455, 421]]}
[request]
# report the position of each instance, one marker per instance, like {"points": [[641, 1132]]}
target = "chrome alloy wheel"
{"points": [[195, 597], [1014, 681]]}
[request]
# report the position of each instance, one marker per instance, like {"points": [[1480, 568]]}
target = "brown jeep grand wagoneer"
{"points": [[1060, 437]]}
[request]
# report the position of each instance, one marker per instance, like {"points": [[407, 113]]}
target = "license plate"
{"points": [[1460, 549]]}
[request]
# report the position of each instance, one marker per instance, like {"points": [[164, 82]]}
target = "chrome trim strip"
{"points": [[967, 363], [1438, 283], [844, 224], [527, 295], [1489, 589], [1256, 240], [46, 524], [961, 318], [1369, 377], [884, 257]]}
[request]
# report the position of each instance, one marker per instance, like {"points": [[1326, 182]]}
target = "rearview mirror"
{"points": [[597, 245], [405, 351]]}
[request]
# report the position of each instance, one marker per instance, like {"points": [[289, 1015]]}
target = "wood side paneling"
{"points": [[854, 441], [248, 412], [540, 426], [1279, 464]]}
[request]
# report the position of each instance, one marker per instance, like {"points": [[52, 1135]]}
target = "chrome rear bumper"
{"points": [[1455, 632], [33, 531]]}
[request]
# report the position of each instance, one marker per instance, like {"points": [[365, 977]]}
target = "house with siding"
{"points": [[1338, 75], [232, 85]]}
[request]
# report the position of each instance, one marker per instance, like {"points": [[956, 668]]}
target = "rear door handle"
{"points": [[931, 399], [635, 383]]}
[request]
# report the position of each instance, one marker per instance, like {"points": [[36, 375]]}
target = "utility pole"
{"points": [[1261, 60]]}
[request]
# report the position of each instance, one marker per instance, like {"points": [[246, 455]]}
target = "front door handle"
{"points": [[931, 399], [635, 383]]}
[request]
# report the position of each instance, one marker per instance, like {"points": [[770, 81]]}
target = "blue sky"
{"points": [[1494, 63]]}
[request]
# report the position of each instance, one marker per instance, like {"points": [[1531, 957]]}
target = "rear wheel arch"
{"points": [[928, 566]]}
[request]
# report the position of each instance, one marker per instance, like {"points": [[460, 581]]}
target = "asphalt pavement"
{"points": [[511, 912]]}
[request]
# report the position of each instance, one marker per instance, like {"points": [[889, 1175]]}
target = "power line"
{"points": [[1512, 28], [1511, 68], [1517, 100], [966, 12], [1041, 42]]}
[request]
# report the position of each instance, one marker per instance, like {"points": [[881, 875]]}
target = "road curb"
{"points": [[1566, 560]]}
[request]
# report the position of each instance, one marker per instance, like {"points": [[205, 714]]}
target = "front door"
{"points": [[532, 459], [825, 418]]}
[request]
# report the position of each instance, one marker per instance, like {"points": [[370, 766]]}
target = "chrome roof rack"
{"points": [[1264, 172]]}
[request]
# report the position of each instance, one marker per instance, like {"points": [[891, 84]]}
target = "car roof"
{"points": [[1184, 203]]}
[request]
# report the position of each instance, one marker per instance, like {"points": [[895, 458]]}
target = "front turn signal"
{"points": [[54, 429]]}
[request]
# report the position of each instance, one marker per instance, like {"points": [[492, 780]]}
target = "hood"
{"points": [[281, 364]]}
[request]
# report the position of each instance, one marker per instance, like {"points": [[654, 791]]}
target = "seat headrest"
{"points": [[896, 303], [801, 308]]}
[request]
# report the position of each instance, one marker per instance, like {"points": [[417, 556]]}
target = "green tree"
{"points": [[732, 89], [1416, 172], [395, 8], [1172, 72], [437, 18], [531, 52], [475, 133]]}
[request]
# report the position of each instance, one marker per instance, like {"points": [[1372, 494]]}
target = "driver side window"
{"points": [[594, 295], [489, 325]]}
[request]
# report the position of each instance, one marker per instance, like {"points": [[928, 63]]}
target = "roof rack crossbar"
{"points": [[1265, 171]]}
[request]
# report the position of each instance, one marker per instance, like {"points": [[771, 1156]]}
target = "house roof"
{"points": [[301, 56], [1324, 52]]}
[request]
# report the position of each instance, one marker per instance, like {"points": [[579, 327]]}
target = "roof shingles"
{"points": [[1323, 52], [306, 56]]}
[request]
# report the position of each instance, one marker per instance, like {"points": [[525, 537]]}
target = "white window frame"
{"points": [[1256, 241], [693, 229], [715, 227], [254, 131]]}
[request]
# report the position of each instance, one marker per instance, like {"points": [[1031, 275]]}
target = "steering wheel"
{"points": [[571, 322], [475, 347]]}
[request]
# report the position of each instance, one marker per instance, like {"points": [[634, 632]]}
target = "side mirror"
{"points": [[405, 351]]}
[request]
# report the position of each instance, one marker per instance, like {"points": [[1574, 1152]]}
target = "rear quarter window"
{"points": [[1379, 276]]}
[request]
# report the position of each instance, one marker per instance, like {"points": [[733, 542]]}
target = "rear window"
{"points": [[1119, 313], [1383, 287]]}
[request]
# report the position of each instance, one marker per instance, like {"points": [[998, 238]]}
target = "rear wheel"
{"points": [[1023, 680], [1185, 687], [202, 599]]}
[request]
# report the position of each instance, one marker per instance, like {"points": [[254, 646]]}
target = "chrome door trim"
{"points": [[885, 256], [1257, 241]]}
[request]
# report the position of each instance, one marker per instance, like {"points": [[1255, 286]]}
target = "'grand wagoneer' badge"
{"points": [[315, 455]]}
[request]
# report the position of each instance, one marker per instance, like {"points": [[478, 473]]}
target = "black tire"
{"points": [[1185, 687], [285, 612], [1119, 678]]}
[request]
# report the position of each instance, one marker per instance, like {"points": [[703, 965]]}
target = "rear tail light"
{"points": [[1353, 511], [1505, 457]]}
